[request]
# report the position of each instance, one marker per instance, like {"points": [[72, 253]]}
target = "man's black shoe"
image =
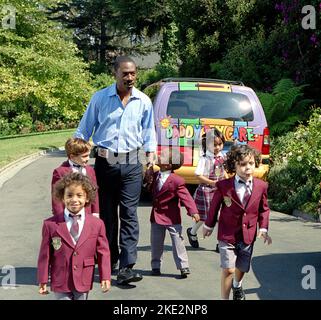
{"points": [[184, 272], [238, 293], [114, 267], [127, 275], [156, 272], [192, 238]]}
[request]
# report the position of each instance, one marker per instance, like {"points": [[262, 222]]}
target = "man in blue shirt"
{"points": [[121, 122]]}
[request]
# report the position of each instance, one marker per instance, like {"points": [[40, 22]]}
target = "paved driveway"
{"points": [[276, 270]]}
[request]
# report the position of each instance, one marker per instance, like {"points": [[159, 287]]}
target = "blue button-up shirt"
{"points": [[118, 128]]}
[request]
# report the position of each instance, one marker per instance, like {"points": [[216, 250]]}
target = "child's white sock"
{"points": [[196, 226], [237, 284]]}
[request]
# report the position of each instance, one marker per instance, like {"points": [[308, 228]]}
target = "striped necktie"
{"points": [[247, 193], [74, 230]]}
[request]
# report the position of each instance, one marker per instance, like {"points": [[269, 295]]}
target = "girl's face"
{"points": [[245, 168], [75, 198], [215, 147]]}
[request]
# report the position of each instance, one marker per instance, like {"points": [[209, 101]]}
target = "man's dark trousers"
{"points": [[120, 185]]}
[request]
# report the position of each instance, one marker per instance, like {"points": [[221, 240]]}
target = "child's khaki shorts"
{"points": [[238, 255]]}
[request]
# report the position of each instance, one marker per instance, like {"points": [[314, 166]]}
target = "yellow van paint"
{"points": [[214, 87]]}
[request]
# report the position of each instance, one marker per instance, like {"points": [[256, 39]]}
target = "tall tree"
{"points": [[41, 74]]}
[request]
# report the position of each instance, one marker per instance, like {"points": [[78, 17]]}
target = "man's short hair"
{"points": [[121, 59]]}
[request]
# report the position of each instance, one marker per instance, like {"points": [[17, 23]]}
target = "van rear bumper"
{"points": [[188, 173]]}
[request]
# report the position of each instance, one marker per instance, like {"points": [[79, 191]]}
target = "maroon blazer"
{"points": [[58, 206], [166, 208], [238, 223], [72, 266]]}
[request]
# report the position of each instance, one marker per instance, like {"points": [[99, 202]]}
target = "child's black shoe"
{"points": [[185, 272], [238, 293], [193, 241]]}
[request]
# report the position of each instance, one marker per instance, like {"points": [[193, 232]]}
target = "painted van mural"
{"points": [[186, 108]]}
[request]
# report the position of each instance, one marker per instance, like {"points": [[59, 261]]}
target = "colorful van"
{"points": [[185, 108]]}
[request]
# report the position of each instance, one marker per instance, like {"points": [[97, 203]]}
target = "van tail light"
{"points": [[266, 141]]}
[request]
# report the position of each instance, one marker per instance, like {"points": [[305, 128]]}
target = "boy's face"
{"points": [[245, 168], [163, 160], [75, 198], [81, 159]]}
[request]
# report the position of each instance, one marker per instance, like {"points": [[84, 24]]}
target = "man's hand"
{"points": [[265, 236], [43, 289], [105, 285], [148, 177]]}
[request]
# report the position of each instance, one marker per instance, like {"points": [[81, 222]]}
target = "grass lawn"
{"points": [[14, 148]]}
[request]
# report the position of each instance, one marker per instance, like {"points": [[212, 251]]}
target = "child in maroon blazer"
{"points": [[78, 151], [242, 203], [71, 241], [169, 191]]}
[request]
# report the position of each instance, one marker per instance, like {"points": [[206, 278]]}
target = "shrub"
{"points": [[22, 123], [296, 168]]}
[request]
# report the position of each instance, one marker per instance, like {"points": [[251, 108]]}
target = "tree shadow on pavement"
{"points": [[282, 278]]}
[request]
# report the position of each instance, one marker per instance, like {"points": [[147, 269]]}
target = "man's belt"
{"points": [[118, 157]]}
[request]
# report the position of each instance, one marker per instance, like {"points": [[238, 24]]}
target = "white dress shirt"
{"points": [[163, 175], [203, 169], [70, 220], [77, 168], [240, 187]]}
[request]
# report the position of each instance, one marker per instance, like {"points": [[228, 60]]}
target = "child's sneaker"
{"points": [[238, 293], [185, 272], [192, 238]]}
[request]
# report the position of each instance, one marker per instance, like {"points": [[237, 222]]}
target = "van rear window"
{"points": [[209, 104]]}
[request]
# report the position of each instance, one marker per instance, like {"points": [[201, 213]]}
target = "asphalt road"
{"points": [[278, 271]]}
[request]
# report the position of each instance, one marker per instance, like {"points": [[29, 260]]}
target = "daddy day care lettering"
{"points": [[192, 131]]}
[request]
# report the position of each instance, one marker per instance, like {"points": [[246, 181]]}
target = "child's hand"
{"points": [[105, 285], [43, 289], [265, 236], [213, 183], [196, 217], [206, 232]]}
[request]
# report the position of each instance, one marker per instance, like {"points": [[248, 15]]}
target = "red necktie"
{"points": [[74, 230], [247, 193]]}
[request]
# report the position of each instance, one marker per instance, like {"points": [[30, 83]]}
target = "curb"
{"points": [[305, 216], [10, 170]]}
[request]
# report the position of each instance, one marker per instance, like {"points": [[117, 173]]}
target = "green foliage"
{"points": [[102, 80], [41, 76], [296, 171], [285, 106], [147, 77]]}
